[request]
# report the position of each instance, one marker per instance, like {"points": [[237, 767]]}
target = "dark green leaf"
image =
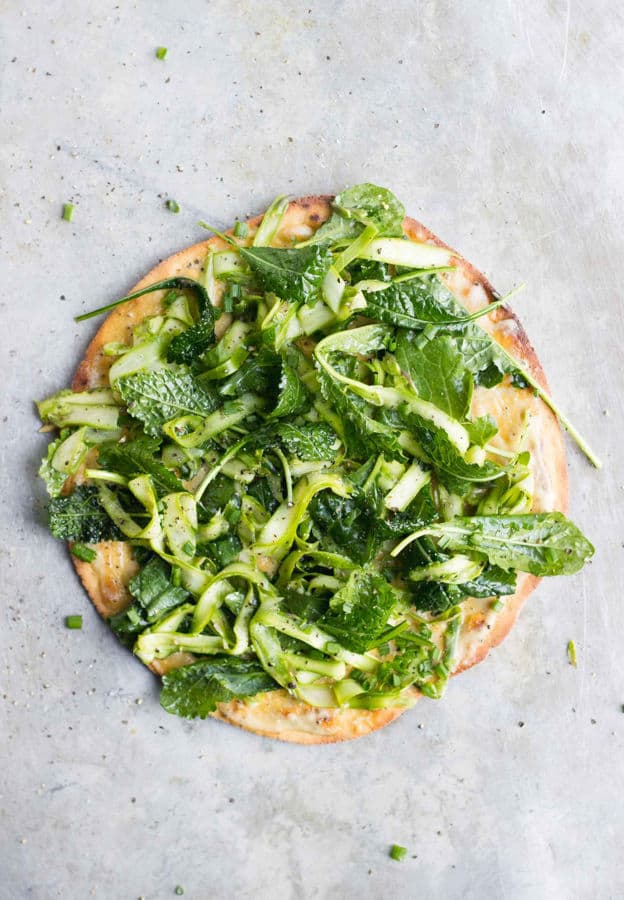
{"points": [[437, 371], [156, 397], [492, 582], [259, 374], [189, 345], [293, 396], [444, 455], [294, 275], [139, 457], [359, 611], [194, 691], [153, 590], [224, 550], [416, 303], [79, 517], [348, 525], [309, 442]]}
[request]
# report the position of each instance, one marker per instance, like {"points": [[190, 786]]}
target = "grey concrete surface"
{"points": [[500, 125]]}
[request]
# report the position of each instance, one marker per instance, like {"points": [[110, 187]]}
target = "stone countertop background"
{"points": [[500, 126]]}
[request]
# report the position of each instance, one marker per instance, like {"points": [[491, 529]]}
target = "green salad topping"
{"points": [[298, 472]]}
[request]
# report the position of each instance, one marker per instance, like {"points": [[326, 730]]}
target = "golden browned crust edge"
{"points": [[119, 323]]}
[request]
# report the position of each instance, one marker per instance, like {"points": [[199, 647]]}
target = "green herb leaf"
{"points": [[311, 442], [156, 397], [293, 396], [139, 457], [539, 543], [80, 517], [294, 275], [372, 205], [194, 691], [153, 590], [437, 371], [359, 612]]}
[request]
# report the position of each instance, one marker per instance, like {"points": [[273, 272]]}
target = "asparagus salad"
{"points": [[290, 449]]}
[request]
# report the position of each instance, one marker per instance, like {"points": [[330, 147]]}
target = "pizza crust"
{"points": [[276, 714]]}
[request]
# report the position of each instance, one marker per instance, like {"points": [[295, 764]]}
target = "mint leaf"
{"points": [[194, 691], [311, 442], [156, 397]]}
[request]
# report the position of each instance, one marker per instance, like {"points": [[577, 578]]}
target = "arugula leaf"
{"points": [[437, 371], [310, 442], [139, 457], [169, 284], [293, 396], [293, 274], [444, 455], [194, 691], [358, 613], [372, 205], [156, 397], [539, 543], [80, 517], [482, 356]]}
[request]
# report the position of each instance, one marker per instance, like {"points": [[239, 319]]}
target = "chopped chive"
{"points": [[74, 622], [497, 605], [397, 852], [228, 303], [161, 52], [572, 653], [241, 229], [173, 206], [68, 211], [179, 890], [81, 551]]}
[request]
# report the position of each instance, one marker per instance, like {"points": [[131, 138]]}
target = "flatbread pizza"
{"points": [[309, 469]]}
